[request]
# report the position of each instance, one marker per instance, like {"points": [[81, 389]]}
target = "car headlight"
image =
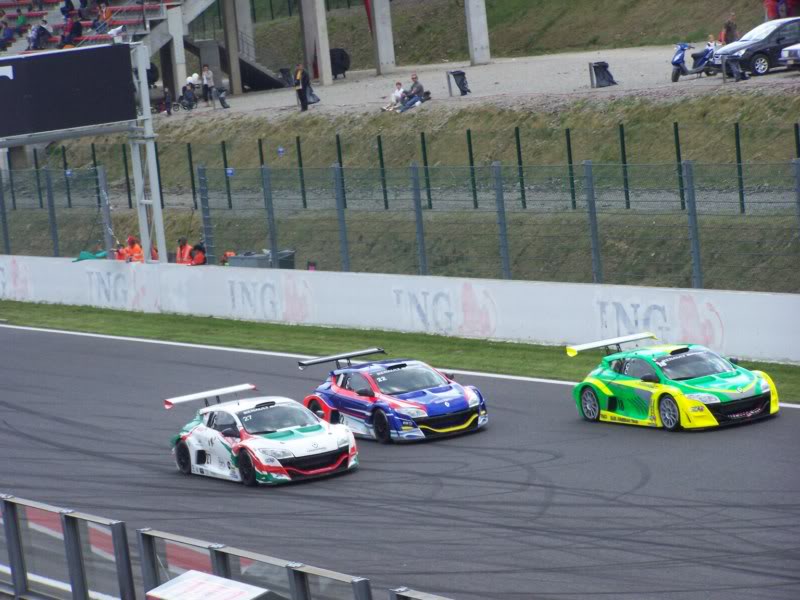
{"points": [[704, 398], [472, 397], [741, 52], [412, 413], [275, 453], [343, 442]]}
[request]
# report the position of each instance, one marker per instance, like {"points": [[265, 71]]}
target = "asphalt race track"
{"points": [[540, 505]]}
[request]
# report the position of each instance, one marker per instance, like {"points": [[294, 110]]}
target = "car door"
{"points": [[785, 36], [633, 396], [352, 406], [219, 443]]}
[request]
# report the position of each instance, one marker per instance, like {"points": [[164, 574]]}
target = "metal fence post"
{"points": [[343, 248], [127, 176], [266, 187], [623, 155], [361, 589], [4, 218], [796, 163], [220, 561], [191, 173], [105, 208], [417, 195], [497, 172], [520, 169], [570, 169], [16, 557], [382, 164], [678, 162], [96, 183], [149, 559], [74, 555], [797, 140], [739, 169], [227, 179], [158, 172], [425, 167], [298, 582], [341, 164], [51, 212], [260, 152], [205, 211], [11, 187], [38, 178], [122, 559], [694, 232], [471, 157], [591, 209], [300, 171]]}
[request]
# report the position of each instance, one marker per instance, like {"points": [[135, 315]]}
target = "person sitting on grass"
{"points": [[413, 96], [397, 97]]}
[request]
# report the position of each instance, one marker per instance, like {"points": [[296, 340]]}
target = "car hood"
{"points": [[301, 441], [439, 400], [734, 47], [726, 386]]}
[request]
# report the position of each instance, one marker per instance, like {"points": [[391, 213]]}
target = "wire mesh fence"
{"points": [[722, 226]]}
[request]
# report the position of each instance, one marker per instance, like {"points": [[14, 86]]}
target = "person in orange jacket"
{"points": [[183, 255], [121, 252], [134, 250], [198, 255]]}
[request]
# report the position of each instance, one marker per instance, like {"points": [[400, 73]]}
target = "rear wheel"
{"points": [[676, 74], [183, 458], [759, 64], [380, 424], [246, 469], [669, 413], [590, 406]]}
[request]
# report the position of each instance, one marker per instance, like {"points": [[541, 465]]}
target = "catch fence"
{"points": [[51, 553], [723, 226]]}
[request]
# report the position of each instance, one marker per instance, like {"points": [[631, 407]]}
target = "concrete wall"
{"points": [[747, 324]]}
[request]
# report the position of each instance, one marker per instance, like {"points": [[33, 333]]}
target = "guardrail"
{"points": [[48, 552]]}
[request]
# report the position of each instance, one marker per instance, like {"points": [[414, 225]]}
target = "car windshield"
{"points": [[408, 379], [269, 419], [761, 32], [690, 365]]}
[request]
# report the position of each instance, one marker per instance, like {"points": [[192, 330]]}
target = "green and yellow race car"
{"points": [[675, 386]]}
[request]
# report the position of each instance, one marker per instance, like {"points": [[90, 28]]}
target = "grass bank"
{"points": [[457, 353]]}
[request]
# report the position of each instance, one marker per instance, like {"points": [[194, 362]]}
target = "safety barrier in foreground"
{"points": [[48, 552]]}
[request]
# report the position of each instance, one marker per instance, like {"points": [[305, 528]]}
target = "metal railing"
{"points": [[48, 552]]}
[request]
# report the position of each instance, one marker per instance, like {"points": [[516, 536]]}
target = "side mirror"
{"points": [[320, 414], [651, 378], [230, 432], [365, 392], [733, 360], [450, 376]]}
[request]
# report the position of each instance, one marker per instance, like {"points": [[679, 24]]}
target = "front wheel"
{"points": [[246, 469], [380, 424], [759, 64], [676, 74], [590, 407], [669, 413], [183, 458]]}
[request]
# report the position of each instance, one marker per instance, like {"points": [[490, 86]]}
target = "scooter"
{"points": [[701, 61]]}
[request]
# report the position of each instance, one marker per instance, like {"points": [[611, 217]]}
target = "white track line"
{"points": [[103, 336]]}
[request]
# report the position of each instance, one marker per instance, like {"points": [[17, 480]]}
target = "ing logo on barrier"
{"points": [[7, 72]]}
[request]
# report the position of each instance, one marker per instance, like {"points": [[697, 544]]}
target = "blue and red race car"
{"points": [[395, 399]]}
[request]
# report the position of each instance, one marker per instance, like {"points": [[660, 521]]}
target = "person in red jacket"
{"points": [[198, 255], [134, 250], [771, 9], [183, 254], [792, 8]]}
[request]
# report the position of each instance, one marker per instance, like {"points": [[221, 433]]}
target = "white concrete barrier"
{"points": [[748, 324]]}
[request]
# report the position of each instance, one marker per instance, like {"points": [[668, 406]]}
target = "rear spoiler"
{"points": [[339, 358], [218, 393], [611, 343]]}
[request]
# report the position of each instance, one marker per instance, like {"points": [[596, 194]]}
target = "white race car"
{"points": [[269, 439]]}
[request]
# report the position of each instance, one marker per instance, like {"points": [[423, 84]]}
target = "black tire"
{"points": [[590, 405], [676, 74], [669, 413], [710, 72], [380, 425], [314, 406], [759, 64], [246, 469], [183, 458]]}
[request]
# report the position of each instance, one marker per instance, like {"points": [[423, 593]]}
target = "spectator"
{"points": [[168, 101], [120, 252], [188, 99], [7, 35], [792, 8], [413, 95], [72, 31], [183, 254], [21, 24], [771, 9], [39, 35], [103, 20], [134, 250], [208, 84], [198, 255], [67, 9], [397, 97], [301, 85], [729, 33]]}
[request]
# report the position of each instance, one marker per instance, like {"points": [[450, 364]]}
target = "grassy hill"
{"points": [[432, 31]]}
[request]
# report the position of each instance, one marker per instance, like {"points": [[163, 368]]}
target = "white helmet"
{"points": [[195, 78], [189, 81]]}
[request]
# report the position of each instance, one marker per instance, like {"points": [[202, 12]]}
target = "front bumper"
{"points": [[700, 416], [307, 467], [447, 425]]}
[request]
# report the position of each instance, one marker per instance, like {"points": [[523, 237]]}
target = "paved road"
{"points": [[540, 505]]}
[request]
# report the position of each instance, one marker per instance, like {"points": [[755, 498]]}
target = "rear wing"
{"points": [[339, 358], [611, 343], [218, 393]]}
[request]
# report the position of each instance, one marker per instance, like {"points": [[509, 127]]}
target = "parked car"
{"points": [[790, 57], [759, 50]]}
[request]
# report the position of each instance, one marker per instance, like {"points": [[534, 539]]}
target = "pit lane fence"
{"points": [[52, 553]]}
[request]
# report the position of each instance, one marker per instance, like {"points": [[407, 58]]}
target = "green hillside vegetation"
{"points": [[434, 30]]}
